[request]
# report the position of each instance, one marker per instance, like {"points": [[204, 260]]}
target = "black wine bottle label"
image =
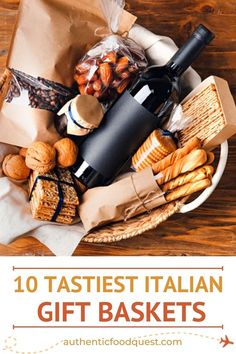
{"points": [[126, 126]]}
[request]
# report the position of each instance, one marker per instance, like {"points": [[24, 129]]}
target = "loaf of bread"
{"points": [[169, 160], [189, 177], [188, 163], [188, 189]]}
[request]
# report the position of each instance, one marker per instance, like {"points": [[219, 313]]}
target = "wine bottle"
{"points": [[141, 109]]}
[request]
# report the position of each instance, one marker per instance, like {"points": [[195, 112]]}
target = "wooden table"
{"points": [[210, 230]]}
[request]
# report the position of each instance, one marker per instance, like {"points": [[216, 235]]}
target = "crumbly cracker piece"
{"points": [[207, 116]]}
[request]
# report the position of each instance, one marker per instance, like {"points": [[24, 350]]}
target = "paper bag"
{"points": [[129, 196], [49, 37]]}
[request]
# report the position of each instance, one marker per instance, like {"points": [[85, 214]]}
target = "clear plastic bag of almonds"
{"points": [[108, 68]]}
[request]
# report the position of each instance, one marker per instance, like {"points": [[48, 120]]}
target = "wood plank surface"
{"points": [[211, 229]]}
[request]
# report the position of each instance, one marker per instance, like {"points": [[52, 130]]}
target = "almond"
{"points": [[123, 85], [81, 79], [82, 68], [97, 85], [122, 64], [110, 58], [105, 74], [125, 75]]}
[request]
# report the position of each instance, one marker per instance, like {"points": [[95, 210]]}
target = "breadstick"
{"points": [[188, 189], [188, 163], [210, 158], [169, 160], [194, 176]]}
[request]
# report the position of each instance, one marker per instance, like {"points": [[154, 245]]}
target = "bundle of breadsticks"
{"points": [[181, 173], [185, 171]]}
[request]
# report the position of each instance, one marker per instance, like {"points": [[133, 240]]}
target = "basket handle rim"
{"points": [[224, 150]]}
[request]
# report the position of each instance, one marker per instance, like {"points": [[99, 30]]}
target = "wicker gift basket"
{"points": [[150, 220], [147, 221]]}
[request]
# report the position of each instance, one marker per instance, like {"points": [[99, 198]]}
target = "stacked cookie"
{"points": [[157, 146], [53, 196]]}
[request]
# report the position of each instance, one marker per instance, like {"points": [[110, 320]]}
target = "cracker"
{"points": [[45, 196], [207, 116], [48, 190]]}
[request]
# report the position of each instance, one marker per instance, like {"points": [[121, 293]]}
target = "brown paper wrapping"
{"points": [[122, 200], [49, 38]]}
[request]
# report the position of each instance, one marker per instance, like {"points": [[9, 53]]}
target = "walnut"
{"points": [[67, 152], [41, 157], [14, 167], [23, 152]]}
